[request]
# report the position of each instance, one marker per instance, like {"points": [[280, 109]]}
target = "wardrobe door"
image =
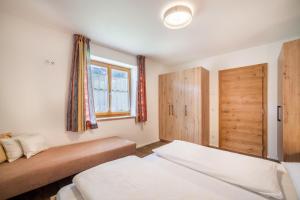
{"points": [[291, 101], [204, 111], [169, 135], [191, 108], [171, 109], [177, 105], [164, 109]]}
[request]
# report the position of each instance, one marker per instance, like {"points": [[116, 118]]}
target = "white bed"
{"points": [[191, 177]]}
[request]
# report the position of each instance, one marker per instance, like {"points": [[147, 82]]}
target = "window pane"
{"points": [[100, 88], [120, 91]]}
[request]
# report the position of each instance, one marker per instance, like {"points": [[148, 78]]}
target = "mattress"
{"points": [[228, 190]]}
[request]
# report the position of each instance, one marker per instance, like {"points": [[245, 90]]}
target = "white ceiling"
{"points": [[135, 26]]}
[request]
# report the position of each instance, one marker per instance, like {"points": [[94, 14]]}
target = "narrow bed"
{"points": [[160, 177]]}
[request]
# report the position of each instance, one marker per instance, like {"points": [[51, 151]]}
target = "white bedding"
{"points": [[132, 178], [294, 173], [179, 172], [69, 192], [228, 191], [254, 174]]}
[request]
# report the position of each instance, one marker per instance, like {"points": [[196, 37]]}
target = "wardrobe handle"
{"points": [[185, 110], [278, 113], [169, 109], [172, 109]]}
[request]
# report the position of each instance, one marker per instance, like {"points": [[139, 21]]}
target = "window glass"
{"points": [[119, 91], [100, 88]]}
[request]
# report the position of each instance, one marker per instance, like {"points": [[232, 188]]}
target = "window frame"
{"points": [[109, 68]]}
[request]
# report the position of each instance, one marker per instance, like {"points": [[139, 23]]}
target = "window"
{"points": [[111, 88]]}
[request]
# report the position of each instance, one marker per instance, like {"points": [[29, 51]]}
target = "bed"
{"points": [[158, 176]]}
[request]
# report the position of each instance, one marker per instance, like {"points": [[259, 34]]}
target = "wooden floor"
{"points": [[147, 150], [44, 193]]}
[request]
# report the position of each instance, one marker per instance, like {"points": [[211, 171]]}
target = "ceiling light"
{"points": [[177, 17]]}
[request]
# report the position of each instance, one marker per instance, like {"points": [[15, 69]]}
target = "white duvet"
{"points": [[257, 175], [133, 178]]}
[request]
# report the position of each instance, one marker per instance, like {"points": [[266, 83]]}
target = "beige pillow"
{"points": [[12, 148], [5, 135], [2, 152], [32, 144]]}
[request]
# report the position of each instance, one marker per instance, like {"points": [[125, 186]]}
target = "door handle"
{"points": [[185, 110], [278, 113], [172, 109]]}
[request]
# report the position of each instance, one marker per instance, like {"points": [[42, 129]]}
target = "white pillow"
{"points": [[294, 173], [12, 148], [32, 144], [254, 174]]}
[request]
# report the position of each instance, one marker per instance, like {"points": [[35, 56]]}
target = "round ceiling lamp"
{"points": [[177, 17]]}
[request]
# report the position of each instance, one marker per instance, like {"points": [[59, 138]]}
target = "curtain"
{"points": [[141, 93], [81, 111]]}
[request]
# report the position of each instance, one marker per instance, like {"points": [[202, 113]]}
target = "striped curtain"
{"points": [[141, 93], [81, 111]]}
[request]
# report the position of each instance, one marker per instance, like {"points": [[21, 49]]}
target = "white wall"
{"points": [[33, 94], [260, 54]]}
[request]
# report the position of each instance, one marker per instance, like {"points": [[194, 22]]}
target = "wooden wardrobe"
{"points": [[288, 110], [184, 106]]}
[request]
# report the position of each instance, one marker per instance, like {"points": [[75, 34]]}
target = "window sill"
{"points": [[114, 118]]}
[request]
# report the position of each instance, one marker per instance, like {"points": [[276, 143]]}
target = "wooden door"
{"points": [[191, 105], [291, 101], [242, 110]]}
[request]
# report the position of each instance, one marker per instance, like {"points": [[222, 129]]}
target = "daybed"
{"points": [[56, 163]]}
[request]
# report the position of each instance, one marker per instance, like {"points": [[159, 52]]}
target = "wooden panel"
{"points": [[170, 93], [243, 148], [242, 104], [191, 105], [168, 109], [253, 136], [242, 73], [176, 102], [163, 107], [205, 106], [242, 116], [291, 100], [265, 110]]}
